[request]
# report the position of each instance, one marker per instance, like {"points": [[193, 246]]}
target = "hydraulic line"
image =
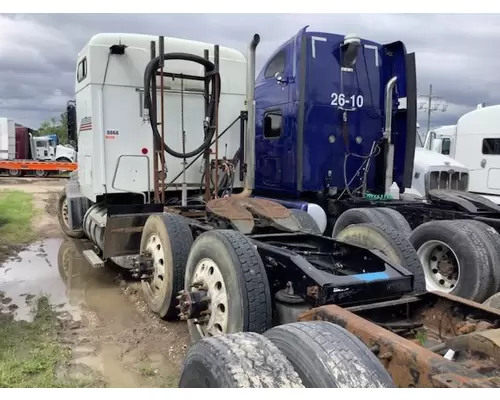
{"points": [[150, 74]]}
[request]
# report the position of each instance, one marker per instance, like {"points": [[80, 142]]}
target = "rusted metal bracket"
{"points": [[241, 212]]}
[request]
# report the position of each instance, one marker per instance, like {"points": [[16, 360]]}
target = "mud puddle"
{"points": [[33, 272], [107, 325], [118, 337]]}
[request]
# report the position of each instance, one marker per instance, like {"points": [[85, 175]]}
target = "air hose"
{"points": [[150, 74]]}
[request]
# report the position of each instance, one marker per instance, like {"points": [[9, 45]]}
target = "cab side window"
{"points": [[491, 146], [272, 124], [81, 73], [446, 145], [277, 64]]}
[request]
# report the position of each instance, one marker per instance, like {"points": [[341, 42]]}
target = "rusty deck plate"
{"points": [[241, 212]]}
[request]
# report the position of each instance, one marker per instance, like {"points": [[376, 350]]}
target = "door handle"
{"points": [[483, 163]]}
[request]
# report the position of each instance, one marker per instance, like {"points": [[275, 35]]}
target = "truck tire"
{"points": [[396, 219], [358, 216], [229, 265], [393, 244], [326, 355], [239, 360], [41, 173], [168, 239], [305, 221], [493, 302], [15, 173], [62, 217], [490, 248], [455, 245], [492, 238]]}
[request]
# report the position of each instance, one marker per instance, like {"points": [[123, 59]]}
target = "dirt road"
{"points": [[102, 318]]}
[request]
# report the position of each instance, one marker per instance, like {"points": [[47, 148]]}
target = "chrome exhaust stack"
{"points": [[389, 161], [250, 129]]}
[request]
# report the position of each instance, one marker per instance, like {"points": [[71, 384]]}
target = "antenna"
{"points": [[431, 104]]}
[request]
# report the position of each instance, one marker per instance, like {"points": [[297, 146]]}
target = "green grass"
{"points": [[16, 213], [30, 355]]}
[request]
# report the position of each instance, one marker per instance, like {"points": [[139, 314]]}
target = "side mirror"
{"points": [[71, 121]]}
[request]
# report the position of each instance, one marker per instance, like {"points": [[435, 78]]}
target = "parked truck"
{"points": [[475, 142], [23, 152], [221, 188]]}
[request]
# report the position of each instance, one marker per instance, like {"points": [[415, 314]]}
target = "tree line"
{"points": [[55, 125]]}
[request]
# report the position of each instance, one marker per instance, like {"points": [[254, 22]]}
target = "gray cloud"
{"points": [[454, 52]]}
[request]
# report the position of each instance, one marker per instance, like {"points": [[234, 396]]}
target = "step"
{"points": [[93, 258]]}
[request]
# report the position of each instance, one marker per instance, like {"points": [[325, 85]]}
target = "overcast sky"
{"points": [[456, 53]]}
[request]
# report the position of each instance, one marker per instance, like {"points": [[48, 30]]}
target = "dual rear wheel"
{"points": [[197, 281], [459, 257]]}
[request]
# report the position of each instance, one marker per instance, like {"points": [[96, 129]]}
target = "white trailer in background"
{"points": [[7, 139], [475, 142]]}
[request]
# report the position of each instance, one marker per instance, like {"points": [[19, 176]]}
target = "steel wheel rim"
{"points": [[207, 273], [441, 266], [40, 173], [158, 280]]}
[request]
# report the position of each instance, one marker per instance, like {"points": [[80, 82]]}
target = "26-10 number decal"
{"points": [[341, 100]]}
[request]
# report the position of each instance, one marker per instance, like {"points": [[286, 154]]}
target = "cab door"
{"points": [[490, 164], [274, 148]]}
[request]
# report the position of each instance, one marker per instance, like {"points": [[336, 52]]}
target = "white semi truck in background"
{"points": [[432, 170], [22, 152], [475, 142]]}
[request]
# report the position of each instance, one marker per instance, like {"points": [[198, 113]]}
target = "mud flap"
{"points": [[77, 205], [122, 235]]}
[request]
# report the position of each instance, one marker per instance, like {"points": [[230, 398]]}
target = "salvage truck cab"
{"points": [[303, 145], [318, 114]]}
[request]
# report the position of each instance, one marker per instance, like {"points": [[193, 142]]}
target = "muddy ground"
{"points": [[101, 316]]}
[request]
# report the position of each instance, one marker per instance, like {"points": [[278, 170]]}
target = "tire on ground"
{"points": [[396, 219], [492, 238], [249, 306], [393, 244], [474, 281], [359, 216], [238, 360], [172, 239], [493, 301], [61, 210], [326, 355], [305, 221]]}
